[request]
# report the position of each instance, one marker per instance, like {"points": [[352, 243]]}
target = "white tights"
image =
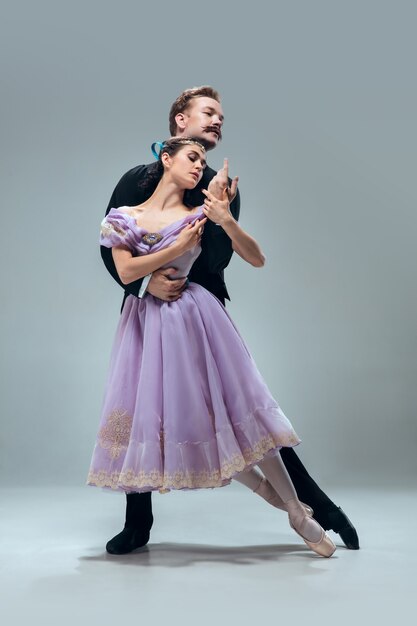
{"points": [[274, 470]]}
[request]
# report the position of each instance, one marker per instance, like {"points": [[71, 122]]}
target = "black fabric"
{"points": [[341, 524], [138, 524], [127, 540], [139, 511], [208, 270], [307, 489]]}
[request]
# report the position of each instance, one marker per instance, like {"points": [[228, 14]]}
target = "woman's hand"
{"points": [[220, 182], [217, 210], [190, 235]]}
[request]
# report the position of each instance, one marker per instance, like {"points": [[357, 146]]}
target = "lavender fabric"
{"points": [[185, 406]]}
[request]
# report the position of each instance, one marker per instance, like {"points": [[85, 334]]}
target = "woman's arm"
{"points": [[130, 268], [245, 245], [126, 193]]}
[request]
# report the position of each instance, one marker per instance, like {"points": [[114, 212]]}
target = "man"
{"points": [[198, 113]]}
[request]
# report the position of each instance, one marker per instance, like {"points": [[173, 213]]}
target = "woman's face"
{"points": [[186, 166]]}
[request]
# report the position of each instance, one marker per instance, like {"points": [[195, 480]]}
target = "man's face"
{"points": [[203, 119]]}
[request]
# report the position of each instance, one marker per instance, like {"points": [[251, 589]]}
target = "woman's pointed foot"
{"points": [[309, 529], [324, 547]]}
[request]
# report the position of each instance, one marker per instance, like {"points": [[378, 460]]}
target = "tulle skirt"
{"points": [[185, 406]]}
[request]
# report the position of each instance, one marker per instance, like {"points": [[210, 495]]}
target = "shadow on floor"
{"points": [[186, 554]]}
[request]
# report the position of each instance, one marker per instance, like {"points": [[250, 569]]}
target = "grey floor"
{"points": [[221, 556]]}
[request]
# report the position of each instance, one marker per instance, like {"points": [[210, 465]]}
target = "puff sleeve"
{"points": [[115, 230]]}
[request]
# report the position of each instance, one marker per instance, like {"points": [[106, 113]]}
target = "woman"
{"points": [[185, 406]]}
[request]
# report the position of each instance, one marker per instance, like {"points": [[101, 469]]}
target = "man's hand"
{"points": [[164, 288], [220, 182]]}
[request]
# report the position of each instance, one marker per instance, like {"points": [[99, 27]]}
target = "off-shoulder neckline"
{"points": [[131, 217]]}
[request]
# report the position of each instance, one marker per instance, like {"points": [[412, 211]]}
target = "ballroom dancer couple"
{"points": [[185, 406]]}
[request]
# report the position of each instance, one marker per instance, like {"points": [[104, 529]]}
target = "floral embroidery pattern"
{"points": [[107, 229], [115, 434]]}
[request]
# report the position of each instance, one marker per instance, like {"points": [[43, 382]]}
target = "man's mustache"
{"points": [[213, 129]]}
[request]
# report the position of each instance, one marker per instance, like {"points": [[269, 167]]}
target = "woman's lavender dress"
{"points": [[185, 406]]}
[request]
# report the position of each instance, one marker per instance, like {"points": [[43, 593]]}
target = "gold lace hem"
{"points": [[189, 479]]}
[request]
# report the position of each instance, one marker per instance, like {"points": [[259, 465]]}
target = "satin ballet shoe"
{"points": [[268, 493], [324, 547]]}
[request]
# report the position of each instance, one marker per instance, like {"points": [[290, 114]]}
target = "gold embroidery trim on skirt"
{"points": [[189, 479]]}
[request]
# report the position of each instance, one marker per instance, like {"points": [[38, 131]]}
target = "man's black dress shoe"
{"points": [[128, 540], [138, 524], [341, 524]]}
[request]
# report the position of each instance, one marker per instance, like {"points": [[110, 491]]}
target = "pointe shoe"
{"points": [[268, 493], [324, 547]]}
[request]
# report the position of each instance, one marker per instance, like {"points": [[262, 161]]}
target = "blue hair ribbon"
{"points": [[154, 152]]}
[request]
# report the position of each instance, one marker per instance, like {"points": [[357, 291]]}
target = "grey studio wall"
{"points": [[320, 105]]}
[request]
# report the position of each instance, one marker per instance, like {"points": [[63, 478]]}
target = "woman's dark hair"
{"points": [[155, 171]]}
